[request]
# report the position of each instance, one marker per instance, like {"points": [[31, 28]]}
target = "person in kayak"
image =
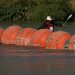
{"points": [[49, 23]]}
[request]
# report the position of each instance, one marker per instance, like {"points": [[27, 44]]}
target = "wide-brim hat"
{"points": [[49, 18]]}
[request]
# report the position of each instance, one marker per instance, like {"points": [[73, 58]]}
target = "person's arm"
{"points": [[56, 24]]}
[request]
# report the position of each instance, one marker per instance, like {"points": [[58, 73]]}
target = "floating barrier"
{"points": [[24, 38], [10, 34], [72, 42], [1, 33], [57, 40], [43, 38], [39, 38]]}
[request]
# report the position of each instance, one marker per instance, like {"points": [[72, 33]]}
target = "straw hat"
{"points": [[49, 18]]}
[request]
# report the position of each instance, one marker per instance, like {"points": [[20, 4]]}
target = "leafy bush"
{"points": [[34, 10], [57, 9], [17, 10]]}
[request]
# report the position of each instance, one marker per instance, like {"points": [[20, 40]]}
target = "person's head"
{"points": [[49, 18]]}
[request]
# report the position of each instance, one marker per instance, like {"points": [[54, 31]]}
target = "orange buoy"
{"points": [[43, 39], [63, 41], [25, 36], [1, 33], [57, 40], [10, 34], [39, 37], [72, 43]]}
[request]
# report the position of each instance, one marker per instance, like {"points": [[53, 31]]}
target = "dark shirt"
{"points": [[47, 24]]}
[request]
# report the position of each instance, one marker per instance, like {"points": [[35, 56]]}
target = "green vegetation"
{"points": [[34, 10], [57, 9], [72, 2]]}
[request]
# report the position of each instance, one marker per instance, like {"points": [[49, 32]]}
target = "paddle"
{"points": [[67, 19]]}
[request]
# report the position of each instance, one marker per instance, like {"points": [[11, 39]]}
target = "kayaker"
{"points": [[49, 24]]}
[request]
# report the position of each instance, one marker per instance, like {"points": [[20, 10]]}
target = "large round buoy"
{"points": [[1, 33], [57, 40], [72, 43], [24, 38], [43, 39], [39, 37], [10, 34]]}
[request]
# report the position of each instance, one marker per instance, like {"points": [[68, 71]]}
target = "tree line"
{"points": [[34, 10]]}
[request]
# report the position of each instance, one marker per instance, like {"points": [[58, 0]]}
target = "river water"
{"points": [[13, 62]]}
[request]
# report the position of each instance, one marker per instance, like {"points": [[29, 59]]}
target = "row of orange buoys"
{"points": [[39, 38]]}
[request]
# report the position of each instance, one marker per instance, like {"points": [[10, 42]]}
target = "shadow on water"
{"points": [[52, 63]]}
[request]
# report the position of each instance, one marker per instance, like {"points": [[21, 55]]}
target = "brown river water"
{"points": [[16, 60]]}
